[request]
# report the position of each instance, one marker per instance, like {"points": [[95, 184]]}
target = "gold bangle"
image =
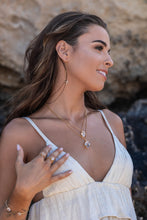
{"points": [[9, 210]]}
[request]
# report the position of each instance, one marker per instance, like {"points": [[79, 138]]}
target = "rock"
{"points": [[136, 137], [137, 116], [10, 78]]}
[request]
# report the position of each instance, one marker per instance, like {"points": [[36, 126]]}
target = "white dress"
{"points": [[80, 197]]}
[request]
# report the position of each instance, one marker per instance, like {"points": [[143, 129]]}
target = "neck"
{"points": [[70, 103]]}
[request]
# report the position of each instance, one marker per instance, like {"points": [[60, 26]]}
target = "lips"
{"points": [[103, 73]]}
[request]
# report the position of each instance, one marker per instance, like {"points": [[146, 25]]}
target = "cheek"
{"points": [[87, 60], [84, 64]]}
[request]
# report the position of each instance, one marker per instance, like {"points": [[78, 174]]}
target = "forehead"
{"points": [[95, 32]]}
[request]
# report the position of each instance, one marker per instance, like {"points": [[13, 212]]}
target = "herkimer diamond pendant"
{"points": [[83, 134], [87, 144]]}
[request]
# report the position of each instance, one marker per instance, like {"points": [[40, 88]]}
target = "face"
{"points": [[90, 60]]}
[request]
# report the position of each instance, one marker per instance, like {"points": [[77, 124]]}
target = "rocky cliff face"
{"points": [[21, 20]]}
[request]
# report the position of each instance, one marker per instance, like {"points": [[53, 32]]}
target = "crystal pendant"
{"points": [[83, 134], [87, 144]]}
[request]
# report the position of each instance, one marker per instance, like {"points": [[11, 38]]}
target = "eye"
{"points": [[100, 48]]}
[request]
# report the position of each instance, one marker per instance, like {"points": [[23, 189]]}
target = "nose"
{"points": [[108, 62]]}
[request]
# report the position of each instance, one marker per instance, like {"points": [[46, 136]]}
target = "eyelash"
{"points": [[100, 48]]}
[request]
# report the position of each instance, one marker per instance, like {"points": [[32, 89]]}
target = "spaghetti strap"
{"points": [[107, 123], [47, 141]]}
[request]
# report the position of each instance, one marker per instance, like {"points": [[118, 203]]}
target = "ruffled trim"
{"points": [[101, 202]]}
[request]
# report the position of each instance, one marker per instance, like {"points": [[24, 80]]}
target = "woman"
{"points": [[58, 113]]}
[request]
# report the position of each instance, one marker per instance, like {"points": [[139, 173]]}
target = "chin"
{"points": [[97, 88]]}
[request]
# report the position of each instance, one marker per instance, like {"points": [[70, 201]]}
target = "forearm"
{"points": [[19, 208]]}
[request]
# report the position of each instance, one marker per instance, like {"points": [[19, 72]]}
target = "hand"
{"points": [[34, 176]]}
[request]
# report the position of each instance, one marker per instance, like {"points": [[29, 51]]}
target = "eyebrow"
{"points": [[101, 41]]}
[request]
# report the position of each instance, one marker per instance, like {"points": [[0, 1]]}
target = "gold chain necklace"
{"points": [[74, 128]]}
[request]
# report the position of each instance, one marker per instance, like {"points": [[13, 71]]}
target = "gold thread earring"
{"points": [[66, 81]]}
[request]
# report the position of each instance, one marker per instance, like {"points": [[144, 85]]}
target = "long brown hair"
{"points": [[40, 64]]}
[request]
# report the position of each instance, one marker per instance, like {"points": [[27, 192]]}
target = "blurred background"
{"points": [[125, 91]]}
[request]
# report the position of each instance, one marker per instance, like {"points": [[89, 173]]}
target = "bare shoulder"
{"points": [[16, 123], [116, 124], [16, 128], [113, 118], [15, 132]]}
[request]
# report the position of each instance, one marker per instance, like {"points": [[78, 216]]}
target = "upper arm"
{"points": [[10, 137]]}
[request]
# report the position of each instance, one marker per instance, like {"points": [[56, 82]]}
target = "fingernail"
{"points": [[61, 148], [67, 155], [70, 171], [18, 147]]}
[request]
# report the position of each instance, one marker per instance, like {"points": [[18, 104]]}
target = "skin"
{"points": [[81, 63]]}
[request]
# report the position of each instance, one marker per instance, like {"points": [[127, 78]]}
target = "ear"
{"points": [[63, 50]]}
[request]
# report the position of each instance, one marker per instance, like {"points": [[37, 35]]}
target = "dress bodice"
{"points": [[108, 198]]}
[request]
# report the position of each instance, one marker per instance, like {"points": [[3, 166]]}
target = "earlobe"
{"points": [[62, 49]]}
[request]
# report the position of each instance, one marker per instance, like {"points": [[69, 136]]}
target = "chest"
{"points": [[97, 159]]}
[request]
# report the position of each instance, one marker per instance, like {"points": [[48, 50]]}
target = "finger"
{"points": [[54, 155], [43, 154], [59, 163], [20, 155], [61, 176]]}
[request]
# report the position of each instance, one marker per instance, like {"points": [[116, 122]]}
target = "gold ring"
{"points": [[43, 154], [51, 159]]}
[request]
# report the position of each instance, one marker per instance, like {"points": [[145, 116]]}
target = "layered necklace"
{"points": [[80, 132]]}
